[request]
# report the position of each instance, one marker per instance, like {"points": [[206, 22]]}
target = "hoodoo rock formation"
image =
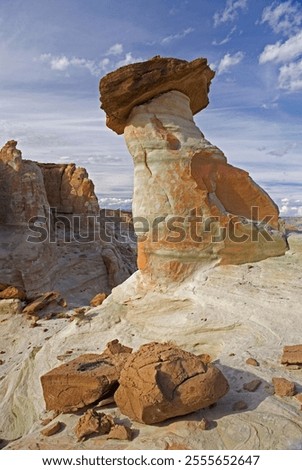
{"points": [[194, 208], [50, 228]]}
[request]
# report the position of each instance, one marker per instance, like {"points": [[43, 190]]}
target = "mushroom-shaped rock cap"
{"points": [[137, 83]]}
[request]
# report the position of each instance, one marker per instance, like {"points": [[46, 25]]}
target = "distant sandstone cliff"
{"points": [[50, 231]]}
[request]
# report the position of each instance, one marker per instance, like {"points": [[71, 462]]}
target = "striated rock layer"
{"points": [[192, 207]]}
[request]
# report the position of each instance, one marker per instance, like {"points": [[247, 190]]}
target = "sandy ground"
{"points": [[230, 312]]}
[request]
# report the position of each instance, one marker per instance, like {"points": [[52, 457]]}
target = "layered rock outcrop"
{"points": [[193, 208], [69, 189], [50, 229]]}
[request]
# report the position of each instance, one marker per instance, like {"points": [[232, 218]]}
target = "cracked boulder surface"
{"points": [[161, 381], [134, 84], [193, 209], [84, 380]]}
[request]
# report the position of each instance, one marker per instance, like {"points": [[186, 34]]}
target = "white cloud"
{"points": [[128, 59], [284, 17], [174, 37], [63, 63], [230, 11], [226, 39], [290, 76], [282, 52], [228, 61], [116, 49], [291, 207]]}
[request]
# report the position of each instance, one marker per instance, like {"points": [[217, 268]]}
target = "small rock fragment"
{"points": [[252, 386], [239, 406], [293, 367], [46, 421], [204, 424], [12, 292], [121, 432], [176, 446], [106, 423], [283, 387], [299, 397], [292, 354], [98, 300], [62, 302], [88, 424], [252, 362], [1, 362], [115, 347], [206, 358], [52, 429], [41, 302]]}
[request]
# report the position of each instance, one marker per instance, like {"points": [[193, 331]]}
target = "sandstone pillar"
{"points": [[192, 208]]}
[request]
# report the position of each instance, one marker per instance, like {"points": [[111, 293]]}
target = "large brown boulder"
{"points": [[84, 380], [135, 84], [161, 381]]}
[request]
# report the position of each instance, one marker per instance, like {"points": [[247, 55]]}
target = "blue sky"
{"points": [[53, 53]]}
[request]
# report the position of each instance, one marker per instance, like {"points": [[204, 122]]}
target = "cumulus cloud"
{"points": [[282, 51], [96, 68], [174, 37], [290, 76], [63, 63], [116, 49], [230, 11], [228, 61], [284, 17], [291, 207]]}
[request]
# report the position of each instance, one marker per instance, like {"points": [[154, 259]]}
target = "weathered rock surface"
{"points": [[138, 83], [84, 380], [43, 301], [197, 210], [10, 306], [283, 387], [161, 381], [231, 313], [68, 189], [292, 354]]}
